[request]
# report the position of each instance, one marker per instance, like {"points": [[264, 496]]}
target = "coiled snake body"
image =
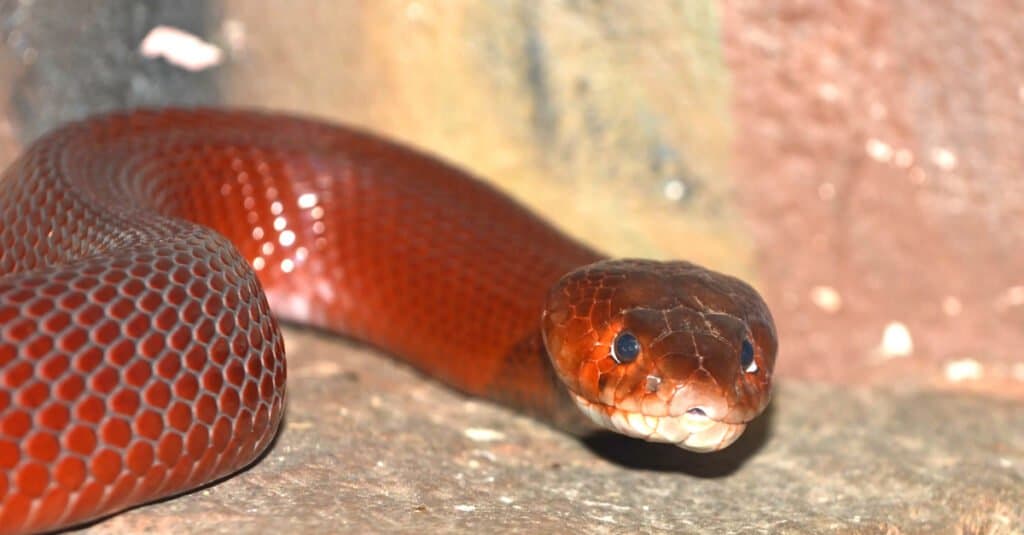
{"points": [[139, 357]]}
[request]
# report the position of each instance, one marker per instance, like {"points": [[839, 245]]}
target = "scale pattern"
{"points": [[141, 254], [138, 355]]}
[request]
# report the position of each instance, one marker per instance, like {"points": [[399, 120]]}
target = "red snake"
{"points": [[139, 357]]}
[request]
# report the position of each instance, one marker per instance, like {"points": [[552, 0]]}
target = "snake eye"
{"points": [[625, 348], [747, 357]]}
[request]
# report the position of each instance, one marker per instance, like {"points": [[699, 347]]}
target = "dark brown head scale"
{"points": [[667, 351]]}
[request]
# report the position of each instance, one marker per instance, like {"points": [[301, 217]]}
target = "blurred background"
{"points": [[857, 161]]}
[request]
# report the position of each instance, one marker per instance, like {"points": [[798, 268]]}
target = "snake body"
{"points": [[143, 252]]}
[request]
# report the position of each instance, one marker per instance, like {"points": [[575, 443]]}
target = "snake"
{"points": [[149, 257]]}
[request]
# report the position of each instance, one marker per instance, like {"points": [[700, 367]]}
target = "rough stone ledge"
{"points": [[371, 447]]}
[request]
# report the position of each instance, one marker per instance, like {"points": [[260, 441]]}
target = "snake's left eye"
{"points": [[747, 357], [625, 348]]}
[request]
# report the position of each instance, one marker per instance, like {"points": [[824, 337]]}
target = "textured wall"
{"points": [[587, 111], [878, 151], [856, 160]]}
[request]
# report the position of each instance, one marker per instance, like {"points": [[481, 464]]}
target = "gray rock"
{"points": [[369, 446]]}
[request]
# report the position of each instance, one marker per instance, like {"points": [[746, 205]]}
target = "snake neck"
{"points": [[527, 381]]}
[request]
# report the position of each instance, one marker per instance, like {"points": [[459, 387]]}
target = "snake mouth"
{"points": [[693, 430]]}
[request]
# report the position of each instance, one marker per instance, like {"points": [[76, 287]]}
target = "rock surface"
{"points": [[369, 446]]}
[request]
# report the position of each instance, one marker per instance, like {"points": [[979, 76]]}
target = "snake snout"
{"points": [[699, 402]]}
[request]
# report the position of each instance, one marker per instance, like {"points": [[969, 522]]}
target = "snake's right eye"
{"points": [[625, 348]]}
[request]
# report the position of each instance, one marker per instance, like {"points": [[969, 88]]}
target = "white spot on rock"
{"points": [[483, 434], [826, 298], [180, 48], [896, 341], [943, 158], [878, 150], [964, 370], [465, 508], [675, 190]]}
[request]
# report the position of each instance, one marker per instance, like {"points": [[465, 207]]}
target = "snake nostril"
{"points": [[697, 411]]}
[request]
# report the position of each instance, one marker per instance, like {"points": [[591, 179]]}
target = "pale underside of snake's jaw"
{"points": [[691, 430]]}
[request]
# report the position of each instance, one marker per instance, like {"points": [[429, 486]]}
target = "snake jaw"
{"points": [[691, 430]]}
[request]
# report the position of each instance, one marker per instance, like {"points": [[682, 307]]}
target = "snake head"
{"points": [[665, 351]]}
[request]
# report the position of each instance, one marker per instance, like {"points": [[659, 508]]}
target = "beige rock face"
{"points": [[857, 161]]}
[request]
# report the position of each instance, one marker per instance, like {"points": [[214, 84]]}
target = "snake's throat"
{"points": [[694, 432]]}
